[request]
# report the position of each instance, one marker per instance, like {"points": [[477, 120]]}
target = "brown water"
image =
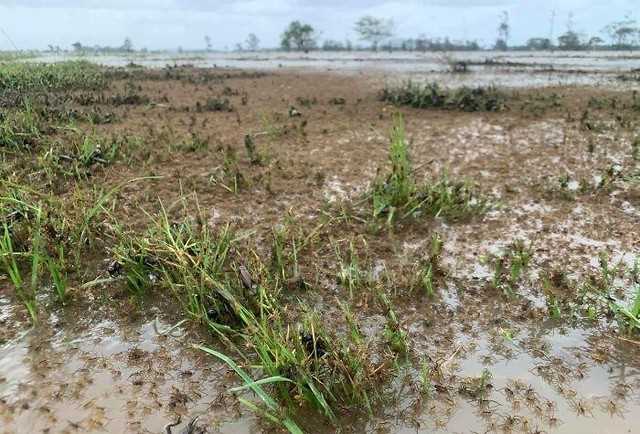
{"points": [[109, 376], [121, 375]]}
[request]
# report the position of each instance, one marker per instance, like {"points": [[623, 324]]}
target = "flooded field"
{"points": [[320, 247], [512, 69]]}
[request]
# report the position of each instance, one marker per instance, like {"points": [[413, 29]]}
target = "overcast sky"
{"points": [[171, 23]]}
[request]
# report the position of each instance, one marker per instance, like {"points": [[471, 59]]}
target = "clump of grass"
{"points": [[129, 98], [215, 105], [21, 128], [284, 262], [476, 387], [350, 275], [80, 153], [70, 75], [194, 143], [510, 266], [432, 96], [256, 158], [398, 196], [33, 257], [295, 362], [430, 268], [186, 260], [629, 316], [9, 262], [599, 296], [90, 151], [395, 336], [56, 269], [273, 411], [47, 234], [229, 175], [271, 127], [306, 102], [304, 365], [398, 189], [426, 385]]}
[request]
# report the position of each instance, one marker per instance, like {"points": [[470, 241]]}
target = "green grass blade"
{"points": [[269, 380]]}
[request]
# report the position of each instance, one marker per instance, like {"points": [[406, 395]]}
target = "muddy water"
{"points": [[123, 376], [110, 376], [549, 391], [522, 69]]}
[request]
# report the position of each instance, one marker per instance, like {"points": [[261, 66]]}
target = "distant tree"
{"points": [[77, 46], [127, 45], [207, 42], [252, 42], [374, 30], [298, 36], [595, 42], [539, 44], [570, 40], [504, 29], [623, 33], [238, 47]]}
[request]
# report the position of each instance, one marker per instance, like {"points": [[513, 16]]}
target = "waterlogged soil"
{"points": [[102, 364]]}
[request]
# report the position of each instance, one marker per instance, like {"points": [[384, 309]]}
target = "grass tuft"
{"points": [[398, 196]]}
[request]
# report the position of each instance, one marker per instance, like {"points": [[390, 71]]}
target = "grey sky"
{"points": [[172, 23]]}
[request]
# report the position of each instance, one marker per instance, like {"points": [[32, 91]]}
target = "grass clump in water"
{"points": [[629, 316], [190, 261], [510, 266], [306, 366], [229, 288], [432, 96], [430, 269], [399, 196]]}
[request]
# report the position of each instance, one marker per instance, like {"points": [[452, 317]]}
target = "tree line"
{"points": [[379, 34]]}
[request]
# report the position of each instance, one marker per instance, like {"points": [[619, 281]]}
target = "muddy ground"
{"points": [[100, 364]]}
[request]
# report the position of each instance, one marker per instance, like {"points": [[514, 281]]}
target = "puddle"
{"points": [[112, 378]]}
